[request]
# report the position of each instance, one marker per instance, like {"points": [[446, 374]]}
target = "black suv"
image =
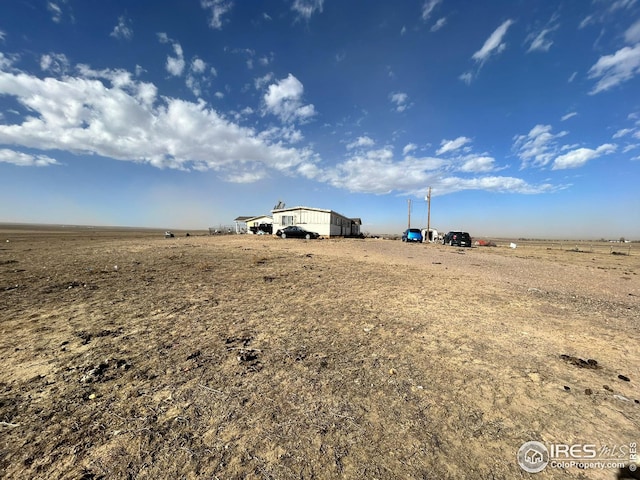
{"points": [[461, 239]]}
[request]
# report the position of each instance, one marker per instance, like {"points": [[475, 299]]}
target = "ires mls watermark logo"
{"points": [[533, 457]]}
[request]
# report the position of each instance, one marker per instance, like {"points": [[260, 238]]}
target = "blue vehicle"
{"points": [[412, 235]]}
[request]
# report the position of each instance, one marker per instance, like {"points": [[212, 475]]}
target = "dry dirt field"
{"points": [[128, 355]]}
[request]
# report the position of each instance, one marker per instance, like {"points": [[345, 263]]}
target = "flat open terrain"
{"points": [[127, 355]]}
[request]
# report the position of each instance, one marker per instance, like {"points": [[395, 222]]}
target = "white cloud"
{"points": [[398, 98], [107, 113], [175, 65], [493, 184], [439, 24], [400, 101], [287, 133], [478, 163], [260, 82], [305, 112], [621, 4], [428, 7], [568, 116], [284, 99], [264, 61], [196, 76], [632, 35], [466, 77], [198, 65], [306, 8], [579, 157], [56, 63], [538, 147], [193, 84], [586, 21], [611, 70], [247, 176], [540, 42], [25, 159], [494, 44], [452, 145], [3, 35], [622, 132], [377, 172], [60, 9], [572, 77], [123, 29], [361, 142], [217, 8], [605, 11], [410, 147], [56, 11]]}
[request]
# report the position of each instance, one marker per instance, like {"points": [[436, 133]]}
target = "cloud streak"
{"points": [[25, 160], [448, 146], [428, 7], [494, 44], [612, 70], [306, 8]]}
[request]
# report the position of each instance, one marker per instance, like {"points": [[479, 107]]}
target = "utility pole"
{"points": [[409, 213], [429, 214]]}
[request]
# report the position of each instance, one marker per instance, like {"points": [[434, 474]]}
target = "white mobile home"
{"points": [[325, 222]]}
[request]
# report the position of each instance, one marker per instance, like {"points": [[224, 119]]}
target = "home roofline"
{"points": [[259, 216], [287, 209]]}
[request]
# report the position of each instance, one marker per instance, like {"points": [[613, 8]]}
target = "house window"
{"points": [[286, 220]]}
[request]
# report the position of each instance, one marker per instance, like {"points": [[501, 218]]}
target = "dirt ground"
{"points": [[128, 355]]}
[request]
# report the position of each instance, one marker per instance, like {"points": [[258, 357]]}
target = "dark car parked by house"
{"points": [[296, 232], [262, 229], [412, 235], [460, 239]]}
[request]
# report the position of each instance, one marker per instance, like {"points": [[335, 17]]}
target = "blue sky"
{"points": [[522, 116]]}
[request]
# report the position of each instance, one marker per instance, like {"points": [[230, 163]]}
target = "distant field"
{"points": [[574, 245], [128, 355]]}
